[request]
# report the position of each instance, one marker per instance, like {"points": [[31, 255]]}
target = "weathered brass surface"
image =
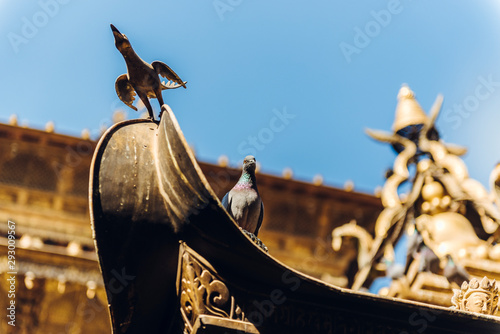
{"points": [[204, 296], [197, 264]]}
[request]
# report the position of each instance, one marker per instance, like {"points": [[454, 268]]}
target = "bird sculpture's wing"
{"points": [[125, 91], [166, 72]]}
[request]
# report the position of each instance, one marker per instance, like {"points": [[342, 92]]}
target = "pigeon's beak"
{"points": [[250, 163]]}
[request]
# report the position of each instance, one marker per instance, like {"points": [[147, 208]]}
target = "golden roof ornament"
{"points": [[408, 111], [13, 120], [142, 79], [451, 213], [477, 296]]}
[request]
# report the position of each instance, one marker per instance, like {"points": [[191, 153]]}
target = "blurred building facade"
{"points": [[44, 193]]}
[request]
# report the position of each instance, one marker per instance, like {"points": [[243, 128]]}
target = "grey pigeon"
{"points": [[429, 262], [243, 202], [454, 272], [415, 241], [393, 269]]}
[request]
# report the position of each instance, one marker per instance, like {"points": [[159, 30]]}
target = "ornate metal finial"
{"points": [[318, 180], [405, 92], [223, 161], [50, 127], [85, 134], [13, 119], [142, 78], [349, 185], [477, 296], [444, 205], [408, 111], [118, 116], [287, 173]]}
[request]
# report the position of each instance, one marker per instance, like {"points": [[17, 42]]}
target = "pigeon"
{"points": [[243, 201], [454, 272], [429, 262], [495, 183], [393, 269], [414, 243], [141, 77]]}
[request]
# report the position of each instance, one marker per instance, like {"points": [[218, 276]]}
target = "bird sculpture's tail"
{"points": [[172, 85]]}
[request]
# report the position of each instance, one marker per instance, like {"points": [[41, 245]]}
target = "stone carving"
{"points": [[477, 296]]}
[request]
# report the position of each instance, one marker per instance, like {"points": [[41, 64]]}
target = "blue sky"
{"points": [[269, 78]]}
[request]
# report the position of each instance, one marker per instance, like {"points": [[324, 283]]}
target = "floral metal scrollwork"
{"points": [[202, 293]]}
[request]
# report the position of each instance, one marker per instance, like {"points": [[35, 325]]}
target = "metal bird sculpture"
{"points": [[243, 202], [141, 77]]}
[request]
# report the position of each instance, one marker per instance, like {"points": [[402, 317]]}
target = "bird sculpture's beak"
{"points": [[115, 31], [118, 35], [121, 41]]}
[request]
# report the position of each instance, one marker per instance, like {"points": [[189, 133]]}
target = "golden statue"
{"points": [[454, 218], [353, 230]]}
